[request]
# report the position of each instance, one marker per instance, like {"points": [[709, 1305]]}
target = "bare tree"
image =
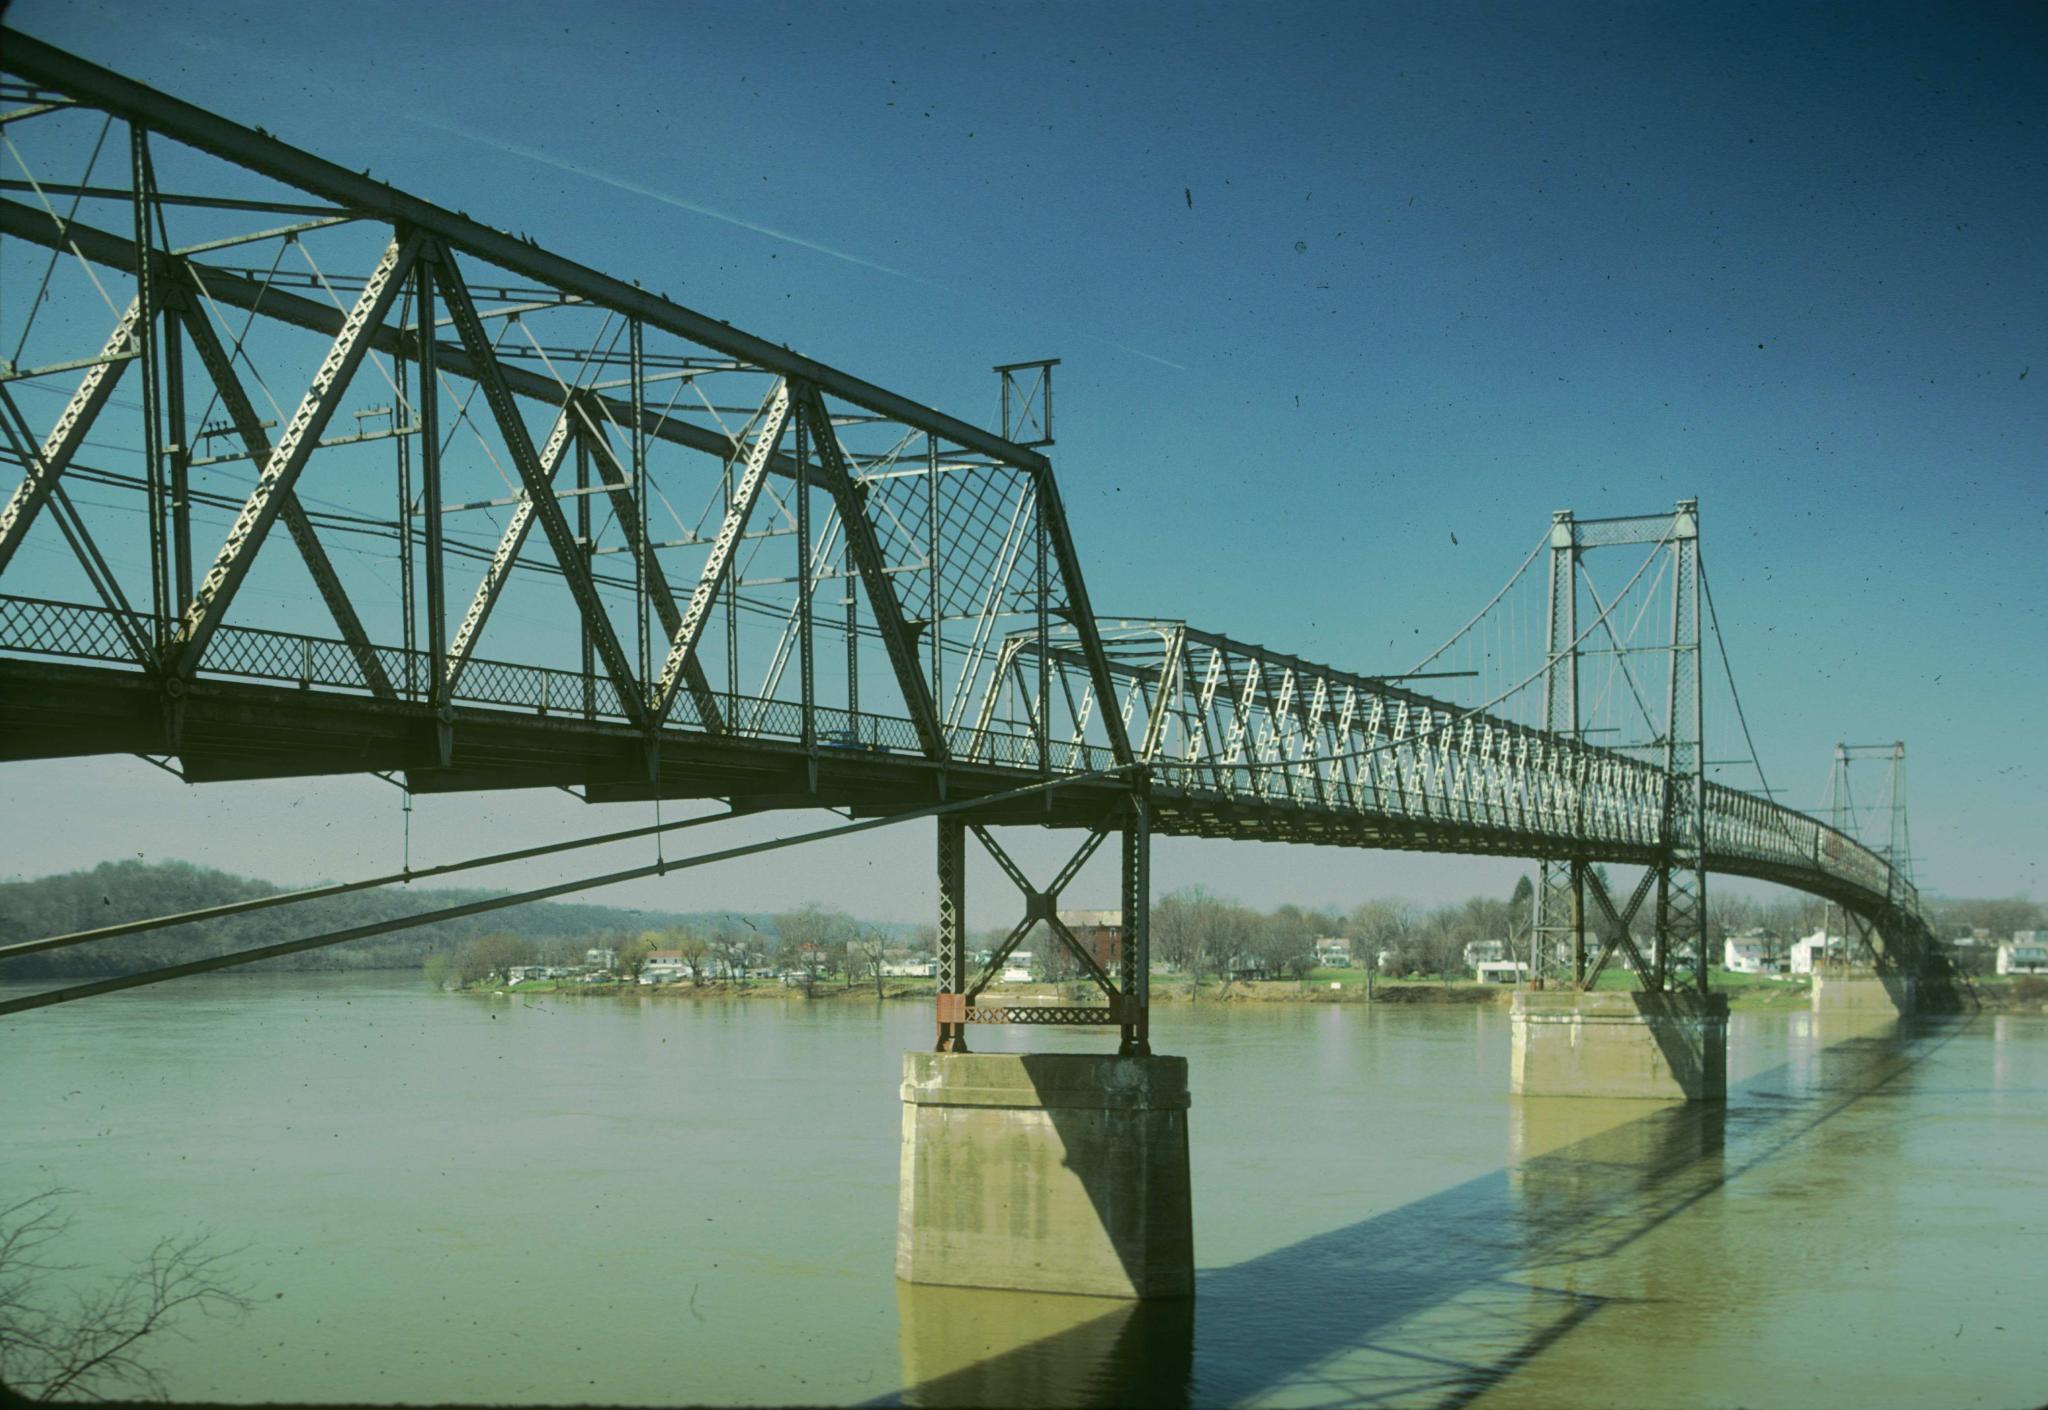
{"points": [[695, 951], [86, 1344], [865, 953], [736, 945]]}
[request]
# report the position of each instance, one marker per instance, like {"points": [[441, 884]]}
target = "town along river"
{"points": [[455, 1198]]}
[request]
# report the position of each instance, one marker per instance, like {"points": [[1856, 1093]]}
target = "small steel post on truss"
{"points": [[1027, 401]]}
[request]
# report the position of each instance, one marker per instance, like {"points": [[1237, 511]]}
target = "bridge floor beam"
{"points": [[1046, 1172], [1669, 1046]]}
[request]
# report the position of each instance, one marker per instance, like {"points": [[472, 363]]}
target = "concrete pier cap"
{"points": [[1670, 1046], [1046, 1172]]}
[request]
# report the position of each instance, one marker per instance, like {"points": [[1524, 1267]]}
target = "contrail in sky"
{"points": [[534, 154]]}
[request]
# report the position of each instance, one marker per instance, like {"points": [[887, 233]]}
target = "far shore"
{"points": [[1748, 994]]}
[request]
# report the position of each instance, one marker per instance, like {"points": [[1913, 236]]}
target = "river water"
{"points": [[449, 1198]]}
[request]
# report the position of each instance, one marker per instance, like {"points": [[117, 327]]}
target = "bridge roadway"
{"points": [[1355, 762]]}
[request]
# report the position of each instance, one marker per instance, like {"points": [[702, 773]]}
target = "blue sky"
{"points": [[1330, 285]]}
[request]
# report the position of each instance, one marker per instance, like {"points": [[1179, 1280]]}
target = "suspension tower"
{"points": [[1669, 1037]]}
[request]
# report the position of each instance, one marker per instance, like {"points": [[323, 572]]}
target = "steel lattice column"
{"points": [[1560, 889], [1135, 977], [1682, 879], [952, 943]]}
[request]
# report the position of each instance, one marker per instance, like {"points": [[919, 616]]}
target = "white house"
{"points": [[1500, 971], [1017, 969], [2023, 956], [664, 967], [1480, 952], [603, 958], [909, 969], [1333, 952], [522, 973], [1752, 952], [1817, 946]]}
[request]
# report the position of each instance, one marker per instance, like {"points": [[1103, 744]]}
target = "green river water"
{"points": [[451, 1198]]}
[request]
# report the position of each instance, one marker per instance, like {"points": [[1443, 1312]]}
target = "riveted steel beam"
{"points": [[851, 499], [499, 572], [768, 428], [47, 65], [539, 492], [288, 458], [41, 474], [249, 427], [591, 417]]}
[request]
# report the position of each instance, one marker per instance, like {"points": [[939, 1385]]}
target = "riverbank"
{"points": [[1745, 993]]}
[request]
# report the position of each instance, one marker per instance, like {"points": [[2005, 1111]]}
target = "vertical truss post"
{"points": [[806, 666], [1135, 978], [403, 416], [935, 627], [1682, 885], [1044, 587], [952, 937], [180, 450], [430, 508], [1899, 880], [846, 572], [151, 300], [637, 438], [589, 652], [1560, 888]]}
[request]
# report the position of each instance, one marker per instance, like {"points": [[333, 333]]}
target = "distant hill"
{"points": [[113, 892]]}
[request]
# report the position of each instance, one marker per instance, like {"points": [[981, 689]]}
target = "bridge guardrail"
{"points": [[1426, 762]]}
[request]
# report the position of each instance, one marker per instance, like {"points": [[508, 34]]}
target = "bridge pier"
{"points": [[1866, 991], [1665, 1046], [1046, 1172]]}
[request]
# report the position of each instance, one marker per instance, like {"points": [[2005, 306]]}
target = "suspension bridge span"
{"points": [[543, 527]]}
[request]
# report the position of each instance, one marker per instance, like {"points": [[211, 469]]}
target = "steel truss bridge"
{"points": [[589, 538]]}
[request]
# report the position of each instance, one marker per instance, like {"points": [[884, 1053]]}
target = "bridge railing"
{"points": [[1391, 756], [1226, 722]]}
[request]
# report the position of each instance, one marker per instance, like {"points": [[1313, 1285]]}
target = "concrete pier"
{"points": [[1663, 1047], [1046, 1172], [1864, 991]]}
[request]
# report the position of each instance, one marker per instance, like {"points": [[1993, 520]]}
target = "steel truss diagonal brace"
{"points": [[591, 418], [243, 413], [1042, 905], [40, 477], [851, 499], [492, 584], [1618, 923], [683, 645], [289, 456], [539, 493]]}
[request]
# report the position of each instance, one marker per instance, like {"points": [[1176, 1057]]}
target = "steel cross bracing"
{"points": [[967, 659]]}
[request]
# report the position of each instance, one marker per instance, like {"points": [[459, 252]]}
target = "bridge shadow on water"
{"points": [[1430, 1304]]}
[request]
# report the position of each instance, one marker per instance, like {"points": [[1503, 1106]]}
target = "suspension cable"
{"points": [[1540, 544]]}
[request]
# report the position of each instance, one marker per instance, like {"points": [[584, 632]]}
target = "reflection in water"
{"points": [[1439, 1301], [967, 1346]]}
